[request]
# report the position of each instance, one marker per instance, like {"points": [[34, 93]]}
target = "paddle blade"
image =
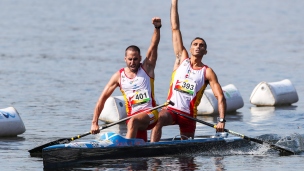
{"points": [[39, 148], [283, 151]]}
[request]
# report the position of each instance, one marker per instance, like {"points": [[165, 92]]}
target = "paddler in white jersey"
{"points": [[136, 82], [189, 79]]}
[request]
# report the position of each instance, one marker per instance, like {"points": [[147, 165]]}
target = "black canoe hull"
{"points": [[62, 157]]}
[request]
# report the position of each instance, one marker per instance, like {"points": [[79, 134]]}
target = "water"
{"points": [[56, 58]]}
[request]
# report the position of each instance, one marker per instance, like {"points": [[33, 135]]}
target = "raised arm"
{"points": [[179, 49], [219, 95], [106, 93], [150, 61]]}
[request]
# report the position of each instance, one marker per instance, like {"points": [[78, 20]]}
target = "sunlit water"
{"points": [[57, 56]]}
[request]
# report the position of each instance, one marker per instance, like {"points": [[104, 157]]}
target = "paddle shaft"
{"points": [[67, 140], [240, 135], [122, 120]]}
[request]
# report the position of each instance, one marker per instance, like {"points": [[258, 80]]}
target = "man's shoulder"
{"points": [[118, 73], [121, 70], [208, 68]]}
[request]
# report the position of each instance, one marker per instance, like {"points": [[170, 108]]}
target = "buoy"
{"points": [[11, 123], [114, 109], [209, 104], [274, 93]]}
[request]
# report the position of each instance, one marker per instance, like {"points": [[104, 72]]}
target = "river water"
{"points": [[56, 57]]}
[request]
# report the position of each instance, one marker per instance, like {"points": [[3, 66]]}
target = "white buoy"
{"points": [[209, 104], [274, 93], [10, 122], [114, 109]]}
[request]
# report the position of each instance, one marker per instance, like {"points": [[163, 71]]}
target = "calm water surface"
{"points": [[56, 57]]}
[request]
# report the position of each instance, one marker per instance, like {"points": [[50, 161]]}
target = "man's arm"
{"points": [[179, 49], [219, 95], [151, 56], [106, 93]]}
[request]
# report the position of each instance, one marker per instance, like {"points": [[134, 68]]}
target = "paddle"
{"points": [[67, 140], [282, 150]]}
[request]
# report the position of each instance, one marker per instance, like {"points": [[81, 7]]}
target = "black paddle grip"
{"points": [[171, 103]]}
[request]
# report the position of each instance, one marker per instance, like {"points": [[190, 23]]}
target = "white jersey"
{"points": [[138, 92], [187, 87]]}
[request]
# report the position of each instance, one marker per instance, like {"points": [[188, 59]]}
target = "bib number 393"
{"points": [[185, 86], [140, 97]]}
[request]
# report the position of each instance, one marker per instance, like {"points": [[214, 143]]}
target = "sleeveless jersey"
{"points": [[138, 92], [187, 87]]}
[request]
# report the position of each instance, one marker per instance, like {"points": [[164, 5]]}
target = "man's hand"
{"points": [[156, 21], [95, 129], [220, 127]]}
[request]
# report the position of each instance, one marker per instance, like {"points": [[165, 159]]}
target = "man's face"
{"points": [[198, 48], [133, 60]]}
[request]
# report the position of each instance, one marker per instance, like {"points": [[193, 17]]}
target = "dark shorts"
{"points": [[185, 124]]}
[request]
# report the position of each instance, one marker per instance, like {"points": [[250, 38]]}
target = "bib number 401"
{"points": [[140, 97]]}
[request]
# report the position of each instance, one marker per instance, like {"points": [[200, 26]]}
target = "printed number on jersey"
{"points": [[140, 97], [185, 86]]}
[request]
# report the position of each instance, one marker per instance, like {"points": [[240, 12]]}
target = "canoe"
{"points": [[114, 146]]}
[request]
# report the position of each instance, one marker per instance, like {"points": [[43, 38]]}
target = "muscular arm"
{"points": [[219, 95], [106, 93], [179, 49], [151, 56]]}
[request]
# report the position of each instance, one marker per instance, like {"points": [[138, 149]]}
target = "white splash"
{"points": [[295, 142]]}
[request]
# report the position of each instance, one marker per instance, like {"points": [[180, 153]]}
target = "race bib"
{"points": [[185, 86], [140, 97]]}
